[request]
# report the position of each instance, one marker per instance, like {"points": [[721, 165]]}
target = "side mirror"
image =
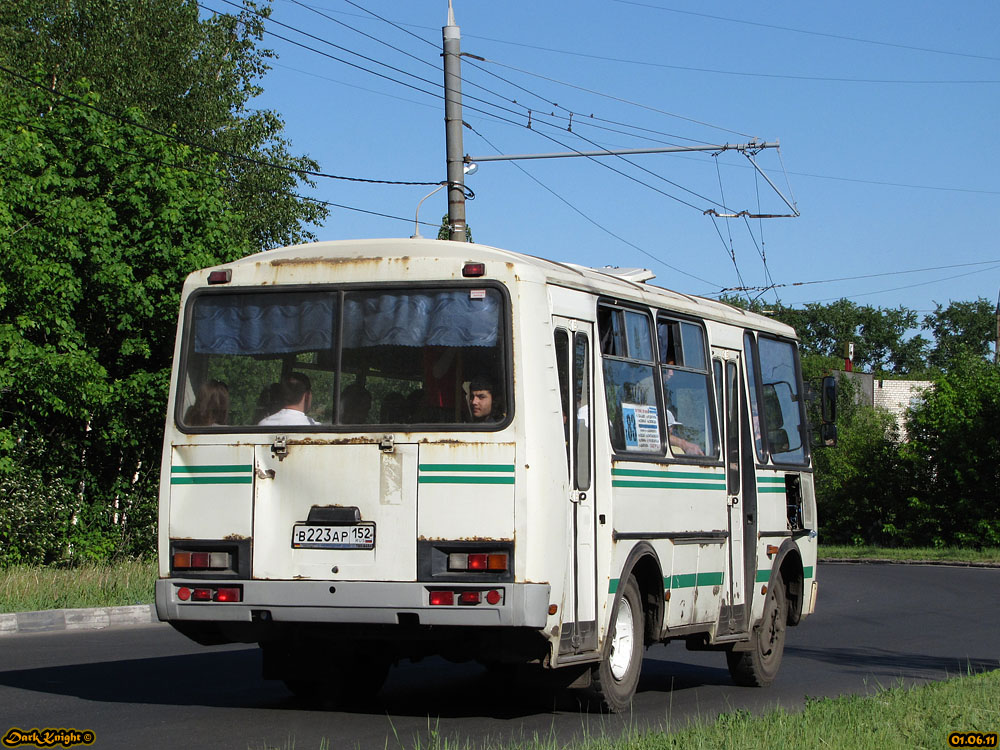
{"points": [[829, 400], [828, 435]]}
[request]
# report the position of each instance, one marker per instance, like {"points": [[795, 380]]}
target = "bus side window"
{"points": [[684, 372], [781, 401], [634, 420], [562, 370], [750, 350]]}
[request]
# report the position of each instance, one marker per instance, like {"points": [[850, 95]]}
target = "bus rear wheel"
{"points": [[615, 678], [759, 666]]}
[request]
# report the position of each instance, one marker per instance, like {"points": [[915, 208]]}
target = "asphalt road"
{"points": [[146, 686]]}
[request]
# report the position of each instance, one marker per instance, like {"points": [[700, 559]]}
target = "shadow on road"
{"points": [[231, 679], [886, 663]]}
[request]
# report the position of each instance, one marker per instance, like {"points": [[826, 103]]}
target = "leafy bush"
{"points": [[35, 518]]}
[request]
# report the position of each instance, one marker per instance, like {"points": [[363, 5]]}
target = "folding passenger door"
{"points": [[735, 606], [574, 352]]}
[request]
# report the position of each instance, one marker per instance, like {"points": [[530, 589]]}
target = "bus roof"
{"points": [[626, 284]]}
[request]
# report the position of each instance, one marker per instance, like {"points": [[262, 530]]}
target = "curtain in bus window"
{"points": [[449, 318], [780, 400], [263, 323]]}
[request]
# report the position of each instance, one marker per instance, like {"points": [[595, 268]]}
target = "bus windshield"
{"points": [[327, 359]]}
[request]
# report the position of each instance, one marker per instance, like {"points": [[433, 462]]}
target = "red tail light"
{"points": [[232, 594], [201, 595], [469, 597], [442, 598]]}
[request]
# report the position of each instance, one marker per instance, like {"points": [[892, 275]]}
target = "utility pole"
{"points": [[996, 344], [453, 127]]}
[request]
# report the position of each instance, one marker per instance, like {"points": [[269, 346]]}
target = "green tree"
{"points": [[194, 78], [880, 335], [860, 496], [99, 223], [954, 458], [961, 330], [444, 231]]}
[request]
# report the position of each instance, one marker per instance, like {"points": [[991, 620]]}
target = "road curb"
{"points": [[98, 618]]}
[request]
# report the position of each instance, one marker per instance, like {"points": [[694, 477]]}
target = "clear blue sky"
{"points": [[887, 114]]}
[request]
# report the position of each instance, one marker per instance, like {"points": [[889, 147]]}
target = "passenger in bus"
{"points": [[677, 443], [393, 408], [268, 402], [210, 407], [296, 397], [483, 405], [355, 403]]}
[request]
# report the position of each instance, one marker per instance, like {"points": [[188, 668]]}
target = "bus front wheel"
{"points": [[615, 678], [759, 666]]}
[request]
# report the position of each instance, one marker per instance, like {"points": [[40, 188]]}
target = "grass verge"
{"points": [[897, 717], [26, 588], [919, 554]]}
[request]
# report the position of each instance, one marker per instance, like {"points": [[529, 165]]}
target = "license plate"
{"points": [[348, 536]]}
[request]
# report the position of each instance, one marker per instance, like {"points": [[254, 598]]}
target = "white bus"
{"points": [[386, 449]]}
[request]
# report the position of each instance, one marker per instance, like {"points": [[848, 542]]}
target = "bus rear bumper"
{"points": [[353, 602]]}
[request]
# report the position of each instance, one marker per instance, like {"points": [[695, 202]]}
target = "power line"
{"points": [[868, 276], [911, 286], [143, 159], [812, 33], [593, 221], [202, 146], [617, 98]]}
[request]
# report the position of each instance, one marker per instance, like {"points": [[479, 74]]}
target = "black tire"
{"points": [[614, 679], [759, 666]]}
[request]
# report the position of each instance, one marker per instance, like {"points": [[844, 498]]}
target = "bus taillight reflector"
{"points": [[442, 598], [229, 594], [469, 597], [493, 597], [201, 560], [476, 561], [201, 595]]}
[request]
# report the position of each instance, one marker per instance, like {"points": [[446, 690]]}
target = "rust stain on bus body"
{"points": [[340, 261]]}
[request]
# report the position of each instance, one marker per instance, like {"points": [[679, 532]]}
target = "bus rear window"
{"points": [[323, 359]]}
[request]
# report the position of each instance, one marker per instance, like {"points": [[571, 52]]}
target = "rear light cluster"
{"points": [[465, 597], [487, 562], [202, 560], [210, 593]]}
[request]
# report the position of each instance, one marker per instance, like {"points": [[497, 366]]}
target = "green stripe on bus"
{"points": [[683, 581], [763, 576], [807, 572], [691, 580], [775, 480], [467, 467], [669, 485], [771, 490], [211, 480], [230, 469], [464, 480], [665, 474]]}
